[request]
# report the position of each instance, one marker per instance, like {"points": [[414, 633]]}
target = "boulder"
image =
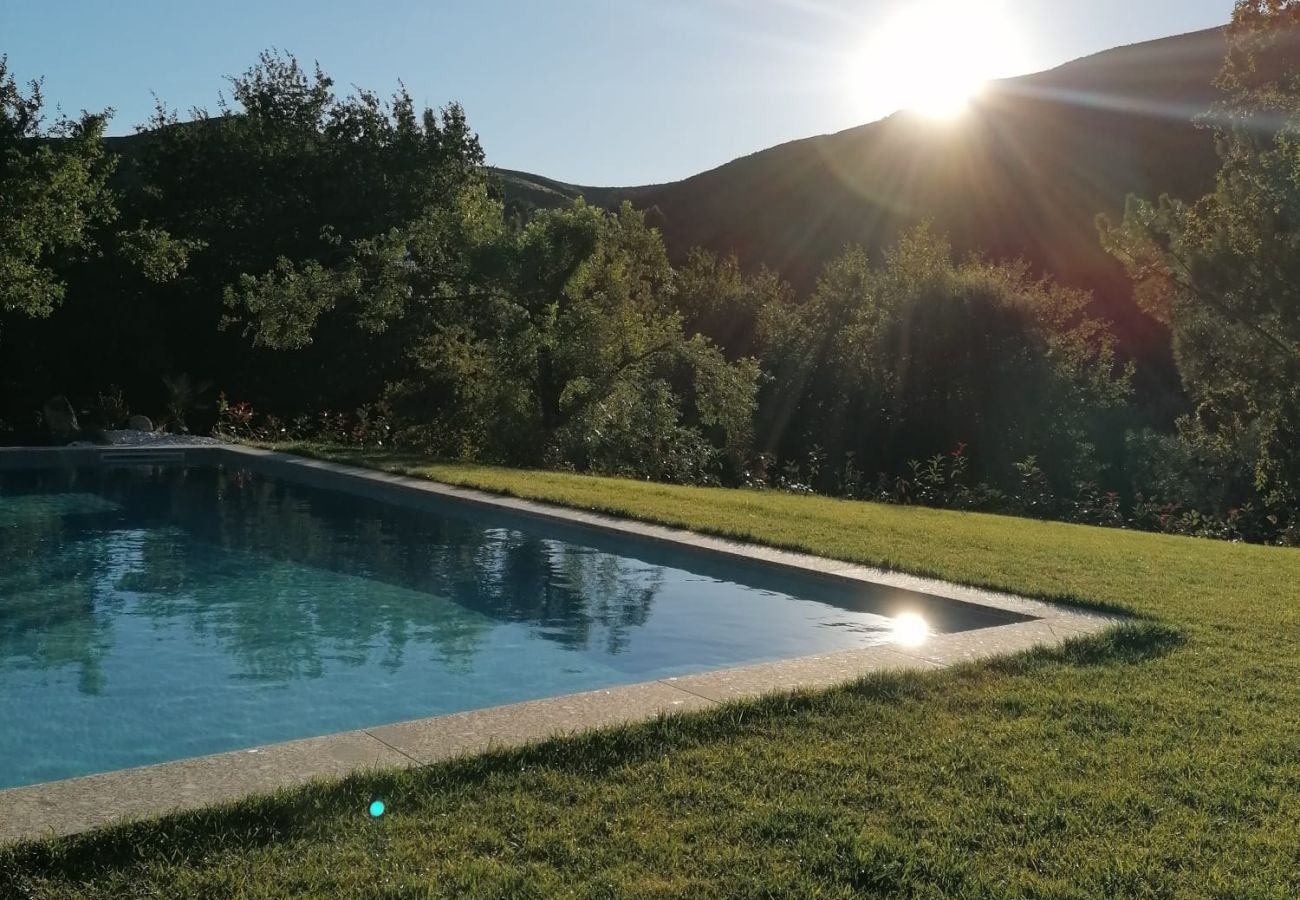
{"points": [[140, 423], [60, 418]]}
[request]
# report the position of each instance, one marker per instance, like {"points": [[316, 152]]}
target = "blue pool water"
{"points": [[152, 614]]}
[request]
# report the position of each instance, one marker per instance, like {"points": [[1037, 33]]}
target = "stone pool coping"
{"points": [[78, 804]]}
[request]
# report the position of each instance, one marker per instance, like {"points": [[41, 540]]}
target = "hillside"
{"points": [[1023, 175]]}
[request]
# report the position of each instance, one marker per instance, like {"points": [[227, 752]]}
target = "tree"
{"points": [[914, 356], [1224, 272], [719, 301], [567, 349], [293, 193], [53, 196]]}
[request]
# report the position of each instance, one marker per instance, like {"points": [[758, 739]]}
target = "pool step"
{"points": [[142, 456]]}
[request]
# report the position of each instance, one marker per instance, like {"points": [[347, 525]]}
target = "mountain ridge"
{"points": [[1023, 175], [573, 189]]}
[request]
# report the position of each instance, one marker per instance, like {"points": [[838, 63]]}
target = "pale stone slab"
{"points": [[444, 737], [968, 646], [77, 804], [1071, 624], [793, 674]]}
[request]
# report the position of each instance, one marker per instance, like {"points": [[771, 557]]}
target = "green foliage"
{"points": [[110, 408], [53, 196], [287, 199], [185, 396], [916, 355], [718, 300], [1224, 272], [568, 351], [557, 341], [287, 301], [160, 256]]}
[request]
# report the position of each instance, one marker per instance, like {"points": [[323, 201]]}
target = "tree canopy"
{"points": [[53, 196], [1224, 271]]}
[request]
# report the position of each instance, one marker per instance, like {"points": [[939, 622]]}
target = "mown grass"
{"points": [[1160, 760]]}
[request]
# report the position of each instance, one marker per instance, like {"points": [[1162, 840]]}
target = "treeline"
{"points": [[301, 264]]}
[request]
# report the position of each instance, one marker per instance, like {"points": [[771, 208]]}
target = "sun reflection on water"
{"points": [[911, 629]]}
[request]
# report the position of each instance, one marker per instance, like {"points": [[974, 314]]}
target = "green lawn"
{"points": [[1160, 761]]}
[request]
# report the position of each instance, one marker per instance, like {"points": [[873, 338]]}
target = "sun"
{"points": [[933, 57]]}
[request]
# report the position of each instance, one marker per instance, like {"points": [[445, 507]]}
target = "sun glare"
{"points": [[933, 57], [910, 629]]}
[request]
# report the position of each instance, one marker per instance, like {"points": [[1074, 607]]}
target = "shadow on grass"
{"points": [[1129, 644], [189, 837]]}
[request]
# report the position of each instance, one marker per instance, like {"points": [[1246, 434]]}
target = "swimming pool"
{"points": [[155, 613]]}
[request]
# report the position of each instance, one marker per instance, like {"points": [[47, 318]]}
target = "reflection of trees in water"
{"points": [[53, 612], [231, 557], [564, 591], [568, 592], [282, 619], [286, 592]]}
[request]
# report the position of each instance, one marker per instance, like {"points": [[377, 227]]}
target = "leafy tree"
{"points": [[719, 301], [1224, 272], [53, 196], [291, 191], [571, 352], [920, 354]]}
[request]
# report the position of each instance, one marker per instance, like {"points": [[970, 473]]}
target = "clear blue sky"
{"points": [[603, 92]]}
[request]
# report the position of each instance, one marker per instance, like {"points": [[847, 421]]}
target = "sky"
{"points": [[594, 92]]}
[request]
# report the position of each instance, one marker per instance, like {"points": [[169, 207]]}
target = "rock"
{"points": [[156, 439], [140, 423], [60, 418]]}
